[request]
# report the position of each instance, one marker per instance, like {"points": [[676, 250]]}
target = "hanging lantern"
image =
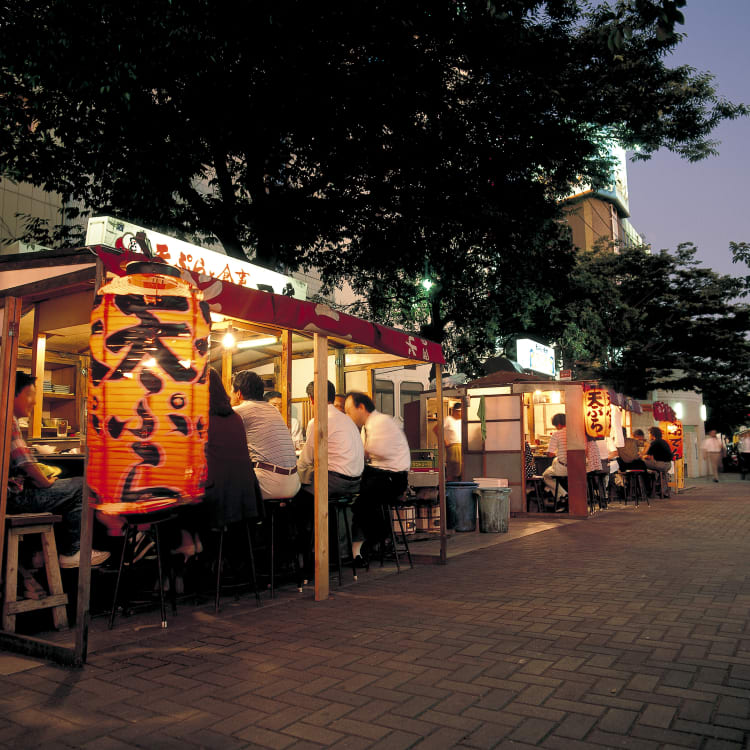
{"points": [[672, 432], [148, 392], [596, 412]]}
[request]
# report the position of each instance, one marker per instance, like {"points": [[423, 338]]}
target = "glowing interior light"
{"points": [[229, 341], [249, 343]]}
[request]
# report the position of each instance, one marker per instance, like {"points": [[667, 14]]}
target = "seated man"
{"points": [[30, 490], [658, 456], [268, 440], [346, 454], [346, 460], [558, 447], [385, 476], [274, 398]]}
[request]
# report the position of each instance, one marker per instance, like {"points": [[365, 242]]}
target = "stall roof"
{"points": [[278, 311]]}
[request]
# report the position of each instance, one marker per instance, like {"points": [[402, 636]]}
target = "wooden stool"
{"points": [[17, 527]]}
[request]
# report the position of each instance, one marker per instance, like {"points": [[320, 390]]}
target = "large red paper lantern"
{"points": [[672, 433], [148, 392], [597, 412]]}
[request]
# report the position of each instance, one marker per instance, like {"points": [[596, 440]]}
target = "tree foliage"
{"points": [[642, 321], [373, 140]]}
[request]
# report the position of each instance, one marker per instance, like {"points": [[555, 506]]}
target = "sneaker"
{"points": [[74, 560]]}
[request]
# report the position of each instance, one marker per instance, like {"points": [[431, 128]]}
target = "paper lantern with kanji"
{"points": [[596, 412], [672, 433], [148, 392]]}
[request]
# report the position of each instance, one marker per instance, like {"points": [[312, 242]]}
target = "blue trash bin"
{"points": [[461, 506]]}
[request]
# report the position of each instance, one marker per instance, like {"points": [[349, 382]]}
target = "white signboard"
{"points": [[534, 356], [105, 230]]}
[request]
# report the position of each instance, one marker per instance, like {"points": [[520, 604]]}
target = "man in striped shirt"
{"points": [[558, 447], [268, 440]]}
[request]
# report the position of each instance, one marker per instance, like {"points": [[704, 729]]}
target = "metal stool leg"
{"points": [[125, 546], [252, 562], [348, 530], [161, 583], [336, 508], [273, 542], [219, 566], [403, 535], [393, 537]]}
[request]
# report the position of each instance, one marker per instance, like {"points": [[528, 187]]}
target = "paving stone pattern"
{"points": [[629, 630]]}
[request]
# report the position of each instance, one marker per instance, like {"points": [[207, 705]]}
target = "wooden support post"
{"points": [[226, 369], [441, 465], [340, 361], [371, 383], [83, 616], [320, 415], [285, 377], [576, 435], [11, 322]]}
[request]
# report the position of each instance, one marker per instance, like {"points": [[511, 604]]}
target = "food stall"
{"points": [[292, 328]]}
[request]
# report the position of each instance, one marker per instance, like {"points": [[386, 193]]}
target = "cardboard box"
{"points": [[490, 482]]}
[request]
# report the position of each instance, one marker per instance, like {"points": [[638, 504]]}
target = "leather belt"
{"points": [[275, 469], [344, 476]]}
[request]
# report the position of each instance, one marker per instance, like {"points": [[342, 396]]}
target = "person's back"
{"points": [[346, 455], [269, 443]]}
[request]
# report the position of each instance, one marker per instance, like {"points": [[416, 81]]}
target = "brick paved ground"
{"points": [[629, 630]]}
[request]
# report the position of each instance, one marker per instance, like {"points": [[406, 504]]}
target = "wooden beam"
{"points": [[320, 415], [11, 322], [441, 465], [284, 382], [382, 365]]}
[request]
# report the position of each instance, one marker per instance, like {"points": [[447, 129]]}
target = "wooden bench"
{"points": [[18, 526]]}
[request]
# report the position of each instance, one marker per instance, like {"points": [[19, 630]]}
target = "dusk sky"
{"points": [[672, 200]]}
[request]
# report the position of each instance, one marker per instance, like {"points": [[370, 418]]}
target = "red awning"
{"points": [[287, 312]]}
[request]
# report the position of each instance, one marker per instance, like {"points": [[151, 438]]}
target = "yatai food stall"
{"points": [[294, 324]]}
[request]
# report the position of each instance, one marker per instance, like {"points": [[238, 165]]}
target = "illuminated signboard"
{"points": [[105, 230], [534, 356]]}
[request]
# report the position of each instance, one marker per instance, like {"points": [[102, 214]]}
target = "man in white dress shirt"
{"points": [[386, 474], [346, 460]]}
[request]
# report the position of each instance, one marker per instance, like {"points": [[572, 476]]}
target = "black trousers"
{"points": [[378, 486]]}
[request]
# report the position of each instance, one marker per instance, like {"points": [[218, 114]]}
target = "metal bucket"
{"points": [[461, 506], [494, 509]]}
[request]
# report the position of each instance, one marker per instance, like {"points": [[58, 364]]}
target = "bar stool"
{"points": [[386, 508], [635, 486], [537, 484], [661, 483], [17, 527], [561, 480], [133, 523], [337, 507], [220, 563], [282, 507], [596, 491]]}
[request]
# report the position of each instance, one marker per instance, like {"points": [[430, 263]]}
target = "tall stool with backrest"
{"points": [[17, 527], [149, 524], [389, 508]]}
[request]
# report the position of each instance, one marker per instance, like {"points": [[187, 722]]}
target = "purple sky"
{"points": [[707, 203]]}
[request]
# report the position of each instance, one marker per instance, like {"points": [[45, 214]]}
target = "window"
{"points": [[408, 392], [384, 396]]}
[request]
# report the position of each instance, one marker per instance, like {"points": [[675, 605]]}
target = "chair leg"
{"points": [[162, 605], [336, 542], [252, 563], [118, 581], [393, 537], [219, 566], [403, 535]]}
